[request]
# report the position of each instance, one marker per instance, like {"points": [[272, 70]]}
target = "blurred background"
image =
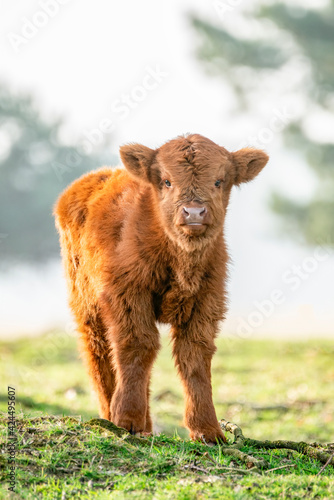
{"points": [[78, 79]]}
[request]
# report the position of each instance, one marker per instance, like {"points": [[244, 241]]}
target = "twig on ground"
{"points": [[195, 467], [313, 450], [281, 467]]}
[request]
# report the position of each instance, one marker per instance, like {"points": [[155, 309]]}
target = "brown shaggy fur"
{"points": [[143, 245]]}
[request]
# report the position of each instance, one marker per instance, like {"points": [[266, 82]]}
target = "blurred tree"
{"points": [[34, 168], [283, 34]]}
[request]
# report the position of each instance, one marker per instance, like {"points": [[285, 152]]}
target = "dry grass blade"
{"points": [[330, 459]]}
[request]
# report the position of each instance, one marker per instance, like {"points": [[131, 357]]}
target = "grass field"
{"points": [[273, 390]]}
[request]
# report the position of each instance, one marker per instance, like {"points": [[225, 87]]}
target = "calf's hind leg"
{"points": [[97, 356]]}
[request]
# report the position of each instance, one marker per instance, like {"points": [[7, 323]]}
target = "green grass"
{"points": [[273, 390]]}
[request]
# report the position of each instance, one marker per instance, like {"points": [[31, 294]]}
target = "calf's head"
{"points": [[192, 178]]}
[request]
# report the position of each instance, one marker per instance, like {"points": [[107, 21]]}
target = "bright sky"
{"points": [[131, 65]]}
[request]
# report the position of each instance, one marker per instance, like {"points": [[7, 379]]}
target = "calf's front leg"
{"points": [[193, 353], [135, 342]]}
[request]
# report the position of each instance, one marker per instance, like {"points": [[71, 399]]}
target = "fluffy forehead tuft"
{"points": [[194, 151]]}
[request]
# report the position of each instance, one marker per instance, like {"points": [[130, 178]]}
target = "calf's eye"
{"points": [[167, 183], [218, 183]]}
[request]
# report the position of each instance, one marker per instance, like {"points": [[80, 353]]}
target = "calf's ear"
{"points": [[138, 160], [248, 163]]}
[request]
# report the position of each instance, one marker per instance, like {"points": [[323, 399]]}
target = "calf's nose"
{"points": [[194, 214]]}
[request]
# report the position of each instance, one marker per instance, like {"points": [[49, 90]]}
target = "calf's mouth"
{"points": [[194, 228]]}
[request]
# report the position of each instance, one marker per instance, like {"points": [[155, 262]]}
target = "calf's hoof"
{"points": [[144, 434], [131, 424], [209, 437]]}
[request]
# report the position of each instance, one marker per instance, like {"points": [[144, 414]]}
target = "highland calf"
{"points": [[143, 245]]}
